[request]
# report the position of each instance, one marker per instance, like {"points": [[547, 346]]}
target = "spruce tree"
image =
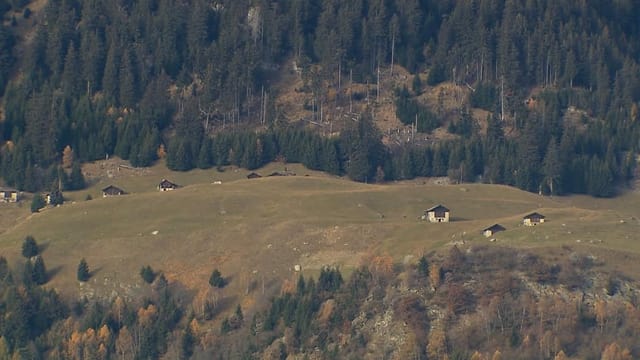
{"points": [[216, 279], [83, 271], [423, 266], [76, 179], [39, 271], [37, 203], [29, 247], [147, 274]]}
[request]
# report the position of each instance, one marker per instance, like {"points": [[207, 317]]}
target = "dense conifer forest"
{"points": [[140, 79]]}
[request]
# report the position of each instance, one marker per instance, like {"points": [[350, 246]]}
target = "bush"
{"points": [[83, 271], [147, 274], [56, 197], [37, 203], [29, 247], [216, 279]]}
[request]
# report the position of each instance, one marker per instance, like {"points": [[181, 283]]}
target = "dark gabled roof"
{"points": [[112, 190], [5, 189], [534, 215], [436, 208], [495, 228], [253, 175], [164, 183]]}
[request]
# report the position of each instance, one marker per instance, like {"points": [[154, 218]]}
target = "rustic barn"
{"points": [[166, 185], [112, 191], [491, 230], [533, 219], [9, 195], [437, 214], [254, 175]]}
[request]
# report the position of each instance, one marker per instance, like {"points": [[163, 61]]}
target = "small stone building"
{"points": [[166, 185], [533, 219], [112, 191], [491, 230], [437, 214], [9, 195]]}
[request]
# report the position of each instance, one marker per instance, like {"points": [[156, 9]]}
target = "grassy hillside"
{"points": [[258, 228]]}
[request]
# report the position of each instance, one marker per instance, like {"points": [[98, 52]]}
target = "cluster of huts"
{"points": [[10, 195], [441, 214], [164, 185]]}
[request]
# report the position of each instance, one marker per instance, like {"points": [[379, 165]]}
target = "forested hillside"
{"points": [[443, 307], [186, 79]]}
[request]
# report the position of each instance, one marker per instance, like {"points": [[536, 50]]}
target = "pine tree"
{"points": [[423, 266], [76, 179], [238, 314], [204, 156], [39, 271], [552, 167], [37, 203], [83, 273], [216, 279], [29, 247], [416, 84], [147, 274], [187, 343]]}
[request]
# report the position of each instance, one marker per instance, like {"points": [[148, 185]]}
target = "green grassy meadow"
{"points": [[263, 227]]}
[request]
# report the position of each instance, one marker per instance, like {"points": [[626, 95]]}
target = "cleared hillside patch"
{"points": [[259, 229]]}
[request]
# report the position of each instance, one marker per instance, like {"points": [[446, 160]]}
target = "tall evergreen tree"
{"points": [[29, 247], [39, 271], [83, 273]]}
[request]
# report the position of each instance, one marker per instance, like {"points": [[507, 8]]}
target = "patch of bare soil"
{"points": [[111, 168]]}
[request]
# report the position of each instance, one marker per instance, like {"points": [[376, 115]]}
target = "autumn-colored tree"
{"points": [[561, 356], [381, 266], [437, 345], [67, 157], [125, 347], [497, 355], [118, 309], [613, 351], [161, 152], [600, 308], [478, 356], [74, 346], [4, 349], [104, 334], [147, 315], [434, 275], [195, 327]]}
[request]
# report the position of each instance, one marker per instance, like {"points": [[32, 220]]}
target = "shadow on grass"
{"points": [[95, 271], [42, 247], [54, 271], [183, 294]]}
